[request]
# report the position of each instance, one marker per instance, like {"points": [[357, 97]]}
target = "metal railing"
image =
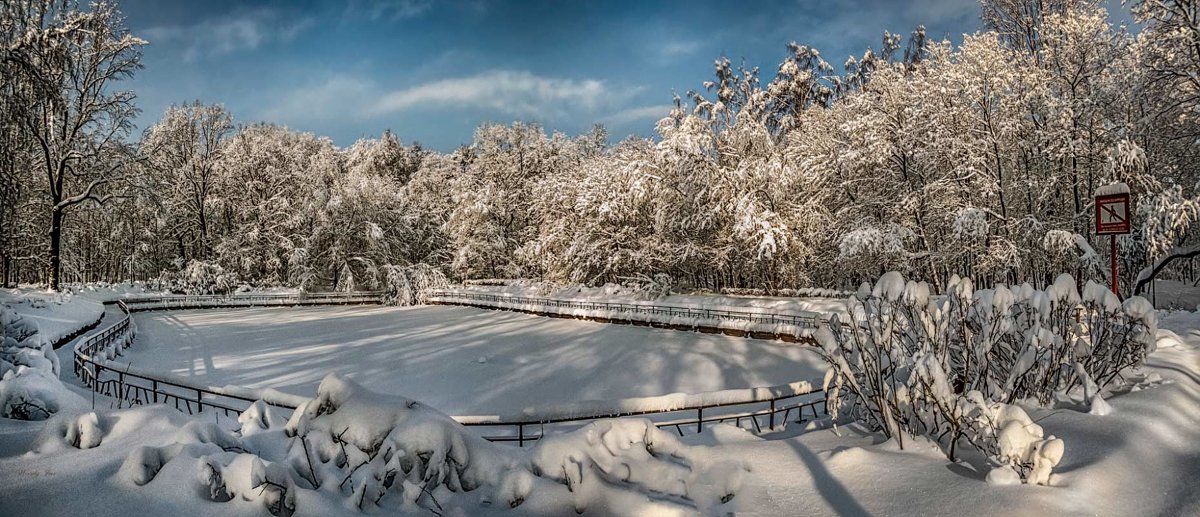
{"points": [[138, 387], [627, 311], [758, 412], [755, 407], [173, 302]]}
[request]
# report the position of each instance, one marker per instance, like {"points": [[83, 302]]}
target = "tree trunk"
{"points": [[56, 220]]}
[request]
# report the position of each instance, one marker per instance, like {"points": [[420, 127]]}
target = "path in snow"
{"points": [[434, 354]]}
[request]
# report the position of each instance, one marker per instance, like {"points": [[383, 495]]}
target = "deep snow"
{"points": [[433, 354], [1142, 459]]}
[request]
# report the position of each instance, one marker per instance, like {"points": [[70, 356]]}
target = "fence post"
{"points": [[699, 420], [155, 391], [520, 435], [772, 419]]}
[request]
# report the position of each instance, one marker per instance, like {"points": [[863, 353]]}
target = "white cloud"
{"points": [[517, 93], [335, 98], [244, 31], [625, 116], [676, 49], [391, 10]]}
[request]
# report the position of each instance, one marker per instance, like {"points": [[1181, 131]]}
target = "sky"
{"points": [[433, 71]]}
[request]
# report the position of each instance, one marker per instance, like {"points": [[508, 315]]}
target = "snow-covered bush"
{"points": [[406, 285], [489, 282], [199, 277], [804, 292], [650, 287], [29, 385], [951, 367], [373, 452]]}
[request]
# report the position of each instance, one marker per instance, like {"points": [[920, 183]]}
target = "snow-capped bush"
{"points": [[650, 287], [371, 450], [804, 292], [406, 285], [29, 385], [199, 277], [491, 282], [950, 367]]}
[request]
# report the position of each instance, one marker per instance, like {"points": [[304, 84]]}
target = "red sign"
{"points": [[1112, 214]]}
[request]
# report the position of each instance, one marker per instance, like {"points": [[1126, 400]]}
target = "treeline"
{"points": [[919, 156]]}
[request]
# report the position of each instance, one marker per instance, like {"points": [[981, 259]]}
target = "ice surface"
{"points": [[432, 353]]}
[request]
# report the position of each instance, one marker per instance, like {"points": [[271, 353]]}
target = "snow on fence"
{"points": [[772, 405], [757, 323], [150, 303]]}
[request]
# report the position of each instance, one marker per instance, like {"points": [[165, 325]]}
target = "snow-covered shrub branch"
{"points": [[199, 277], [407, 285], [951, 367], [349, 446], [650, 287]]}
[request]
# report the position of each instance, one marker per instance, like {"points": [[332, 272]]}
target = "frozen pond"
{"points": [[460, 360]]}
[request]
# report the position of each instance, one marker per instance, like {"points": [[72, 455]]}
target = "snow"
{"points": [[350, 450], [432, 353], [29, 369], [1142, 458], [1173, 294], [1112, 189], [619, 294], [56, 315]]}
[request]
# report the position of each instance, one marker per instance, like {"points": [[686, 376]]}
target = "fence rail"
{"points": [[630, 311], [758, 407], [249, 300]]}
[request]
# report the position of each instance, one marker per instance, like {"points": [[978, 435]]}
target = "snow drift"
{"points": [[355, 448], [29, 385]]}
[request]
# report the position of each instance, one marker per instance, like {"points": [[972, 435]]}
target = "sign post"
{"points": [[1112, 219]]}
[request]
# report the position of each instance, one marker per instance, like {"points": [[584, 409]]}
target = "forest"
{"points": [[933, 158]]}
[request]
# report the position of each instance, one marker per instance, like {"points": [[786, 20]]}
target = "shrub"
{"points": [[951, 367], [406, 285], [199, 277]]}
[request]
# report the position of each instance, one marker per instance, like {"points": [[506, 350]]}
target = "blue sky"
{"points": [[433, 71]]}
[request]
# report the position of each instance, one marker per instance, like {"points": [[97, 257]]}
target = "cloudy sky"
{"points": [[432, 71]]}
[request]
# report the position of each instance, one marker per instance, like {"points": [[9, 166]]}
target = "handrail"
{"points": [[646, 312], [136, 386]]}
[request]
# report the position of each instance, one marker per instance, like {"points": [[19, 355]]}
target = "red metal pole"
{"points": [[1113, 255]]}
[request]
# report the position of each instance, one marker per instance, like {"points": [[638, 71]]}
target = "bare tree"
{"points": [[66, 60]]}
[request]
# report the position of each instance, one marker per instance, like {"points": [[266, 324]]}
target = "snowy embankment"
{"points": [[32, 322], [56, 315]]}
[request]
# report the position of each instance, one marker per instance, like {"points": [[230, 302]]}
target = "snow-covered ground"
{"points": [[1141, 459], [1174, 294], [461, 360], [56, 314]]}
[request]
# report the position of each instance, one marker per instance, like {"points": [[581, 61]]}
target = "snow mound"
{"points": [[29, 385], [1168, 339], [355, 448]]}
